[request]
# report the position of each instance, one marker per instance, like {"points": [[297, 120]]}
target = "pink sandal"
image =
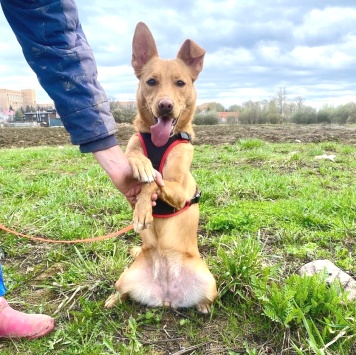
{"points": [[15, 324]]}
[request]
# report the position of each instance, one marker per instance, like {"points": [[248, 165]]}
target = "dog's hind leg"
{"points": [[122, 291], [203, 308], [114, 298], [206, 285], [135, 251]]}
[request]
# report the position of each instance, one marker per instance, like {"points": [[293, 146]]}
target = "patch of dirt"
{"points": [[221, 134]]}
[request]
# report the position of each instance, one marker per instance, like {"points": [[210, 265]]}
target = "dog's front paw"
{"points": [[142, 169], [142, 217]]}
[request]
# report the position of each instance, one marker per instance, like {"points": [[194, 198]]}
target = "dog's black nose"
{"points": [[165, 105]]}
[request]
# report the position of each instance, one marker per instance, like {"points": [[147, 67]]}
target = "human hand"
{"points": [[131, 187], [116, 165]]}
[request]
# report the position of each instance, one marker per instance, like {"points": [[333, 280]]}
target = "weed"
{"points": [[248, 144]]}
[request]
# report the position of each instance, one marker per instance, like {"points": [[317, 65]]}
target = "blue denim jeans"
{"points": [[2, 286]]}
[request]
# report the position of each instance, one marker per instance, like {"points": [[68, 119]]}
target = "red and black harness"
{"points": [[158, 156]]}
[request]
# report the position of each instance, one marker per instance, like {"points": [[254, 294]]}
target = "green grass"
{"points": [[266, 210]]}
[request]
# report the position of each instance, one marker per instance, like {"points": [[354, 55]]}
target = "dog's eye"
{"points": [[151, 82], [180, 83]]}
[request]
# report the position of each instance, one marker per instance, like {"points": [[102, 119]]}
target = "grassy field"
{"points": [[266, 210]]}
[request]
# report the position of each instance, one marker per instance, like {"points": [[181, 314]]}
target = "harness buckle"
{"points": [[184, 135], [195, 199]]}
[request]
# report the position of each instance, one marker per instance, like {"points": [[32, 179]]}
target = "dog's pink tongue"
{"points": [[161, 131]]}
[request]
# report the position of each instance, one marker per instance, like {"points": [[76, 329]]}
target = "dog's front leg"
{"points": [[143, 207], [173, 194]]}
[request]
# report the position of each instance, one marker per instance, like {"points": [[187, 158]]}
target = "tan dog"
{"points": [[167, 270]]}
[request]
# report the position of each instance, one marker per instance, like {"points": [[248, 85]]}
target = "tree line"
{"points": [[279, 109]]}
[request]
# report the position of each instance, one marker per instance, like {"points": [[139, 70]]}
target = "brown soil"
{"points": [[31, 137]]}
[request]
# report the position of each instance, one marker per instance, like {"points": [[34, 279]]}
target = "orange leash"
{"points": [[89, 240]]}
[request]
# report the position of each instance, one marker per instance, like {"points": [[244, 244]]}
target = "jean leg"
{"points": [[2, 285]]}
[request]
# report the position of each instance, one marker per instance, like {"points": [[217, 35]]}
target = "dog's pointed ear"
{"points": [[143, 47], [193, 56]]}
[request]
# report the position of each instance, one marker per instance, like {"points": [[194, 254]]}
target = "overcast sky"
{"points": [[253, 47]]}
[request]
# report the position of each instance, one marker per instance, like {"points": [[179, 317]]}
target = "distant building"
{"points": [[45, 106], [228, 117], [47, 118], [16, 99], [6, 116], [29, 98], [25, 98]]}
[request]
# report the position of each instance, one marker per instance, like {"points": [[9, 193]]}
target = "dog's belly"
{"points": [[170, 284]]}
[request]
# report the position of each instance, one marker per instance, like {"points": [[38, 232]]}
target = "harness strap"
{"points": [[194, 200], [158, 156]]}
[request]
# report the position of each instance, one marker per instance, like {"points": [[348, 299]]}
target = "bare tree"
{"points": [[114, 104], [235, 108], [282, 100], [124, 113], [215, 106], [299, 101]]}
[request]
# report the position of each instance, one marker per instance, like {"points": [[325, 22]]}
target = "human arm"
{"points": [[55, 47]]}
